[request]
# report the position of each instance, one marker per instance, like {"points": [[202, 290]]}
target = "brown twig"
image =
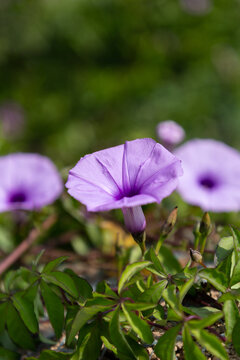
{"points": [[25, 244]]}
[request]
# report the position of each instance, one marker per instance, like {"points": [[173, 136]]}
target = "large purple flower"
{"points": [[28, 182], [125, 176], [211, 175]]}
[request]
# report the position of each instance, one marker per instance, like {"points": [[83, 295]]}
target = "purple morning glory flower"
{"points": [[170, 133], [28, 182], [125, 176], [211, 175]]}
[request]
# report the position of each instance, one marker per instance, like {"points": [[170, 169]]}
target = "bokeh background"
{"points": [[80, 75]]}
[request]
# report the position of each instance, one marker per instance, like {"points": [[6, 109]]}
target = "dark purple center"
{"points": [[130, 193], [17, 197], [208, 182]]}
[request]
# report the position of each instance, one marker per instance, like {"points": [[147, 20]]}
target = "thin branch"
{"points": [[25, 244]]}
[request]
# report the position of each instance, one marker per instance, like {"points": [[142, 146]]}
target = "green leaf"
{"points": [[211, 343], [52, 265], [191, 350], [203, 312], [151, 256], [185, 288], [83, 315], [234, 294], [17, 330], [26, 311], [131, 270], [153, 293], [139, 306], [215, 278], [104, 288], [236, 274], [235, 336], [91, 343], [8, 354], [3, 315], [207, 321], [54, 308], [224, 248], [83, 287], [36, 261], [231, 314], [166, 343], [168, 261], [170, 296], [62, 280], [138, 325], [117, 337], [139, 352], [53, 355]]}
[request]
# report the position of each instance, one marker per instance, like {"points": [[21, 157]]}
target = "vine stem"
{"points": [[26, 243]]}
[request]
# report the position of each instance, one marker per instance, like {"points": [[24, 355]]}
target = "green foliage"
{"points": [[151, 294]]}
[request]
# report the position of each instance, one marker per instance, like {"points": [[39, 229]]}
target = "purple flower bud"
{"points": [[12, 119], [196, 7], [170, 133], [134, 219]]}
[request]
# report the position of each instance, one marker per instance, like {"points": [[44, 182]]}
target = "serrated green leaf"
{"points": [[83, 287], [91, 343], [131, 270], [234, 294], [168, 261], [235, 337], [17, 330], [117, 337], [207, 321], [139, 306], [236, 274], [191, 350], [153, 293], [215, 278], [52, 265], [85, 314], [170, 296], [211, 343], [166, 343], [139, 352], [185, 288], [62, 280], [54, 308], [104, 288], [231, 315], [203, 312], [151, 256], [224, 248], [138, 325], [26, 311]]}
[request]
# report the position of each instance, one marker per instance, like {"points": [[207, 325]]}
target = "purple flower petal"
{"points": [[136, 173], [28, 181], [211, 175]]}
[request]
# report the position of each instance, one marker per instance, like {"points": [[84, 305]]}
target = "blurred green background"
{"points": [[80, 75]]}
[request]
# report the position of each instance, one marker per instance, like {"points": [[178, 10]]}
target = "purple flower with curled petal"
{"points": [[28, 182], [170, 133], [211, 175], [125, 176]]}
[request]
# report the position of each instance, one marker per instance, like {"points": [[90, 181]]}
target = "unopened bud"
{"points": [[196, 256], [170, 222], [205, 224]]}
